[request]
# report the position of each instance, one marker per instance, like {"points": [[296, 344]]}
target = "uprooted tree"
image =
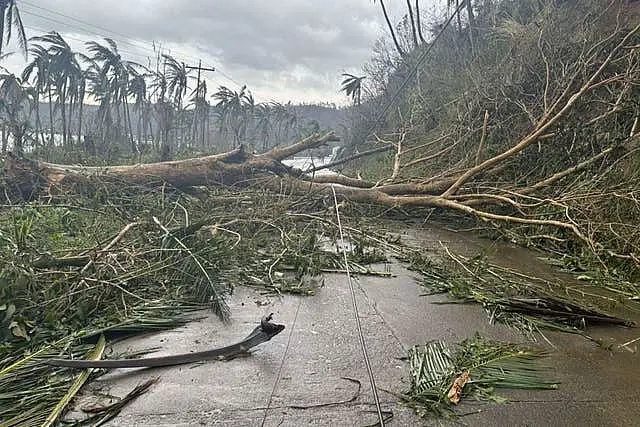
{"points": [[588, 97]]}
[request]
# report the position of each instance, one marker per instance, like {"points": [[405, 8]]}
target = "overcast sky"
{"points": [[281, 49]]}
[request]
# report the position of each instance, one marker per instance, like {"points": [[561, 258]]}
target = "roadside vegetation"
{"points": [[518, 120]]}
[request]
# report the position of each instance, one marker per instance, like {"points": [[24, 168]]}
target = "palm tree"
{"points": [[114, 74], [177, 78], [80, 94], [100, 90], [235, 110], [177, 75], [291, 119], [42, 85], [279, 113], [138, 90], [10, 17], [352, 86], [17, 102], [391, 29], [264, 123], [163, 112], [200, 111], [63, 73]]}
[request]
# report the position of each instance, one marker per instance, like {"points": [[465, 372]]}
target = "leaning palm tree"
{"points": [[352, 86], [10, 19]]}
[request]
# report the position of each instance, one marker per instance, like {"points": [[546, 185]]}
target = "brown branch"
{"points": [[483, 137], [559, 175], [341, 180], [427, 144], [526, 141], [431, 156], [111, 243], [312, 141]]}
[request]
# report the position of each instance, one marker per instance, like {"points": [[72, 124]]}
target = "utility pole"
{"points": [[200, 69]]}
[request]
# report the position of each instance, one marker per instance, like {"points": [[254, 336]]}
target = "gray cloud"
{"points": [[280, 48]]}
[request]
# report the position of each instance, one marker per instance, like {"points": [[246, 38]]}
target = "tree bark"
{"points": [[33, 178]]}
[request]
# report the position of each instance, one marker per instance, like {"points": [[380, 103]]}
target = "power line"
{"points": [[147, 46], [84, 30], [142, 45], [139, 55], [67, 37], [363, 344]]}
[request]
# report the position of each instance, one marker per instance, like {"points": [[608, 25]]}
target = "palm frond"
{"points": [[77, 383], [486, 365], [22, 38]]}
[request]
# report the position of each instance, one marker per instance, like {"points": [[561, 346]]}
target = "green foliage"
{"points": [[122, 260], [489, 364]]}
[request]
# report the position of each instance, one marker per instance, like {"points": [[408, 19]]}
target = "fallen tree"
{"points": [[597, 90], [237, 168]]}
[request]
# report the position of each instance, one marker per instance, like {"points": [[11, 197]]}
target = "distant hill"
{"points": [[328, 116]]}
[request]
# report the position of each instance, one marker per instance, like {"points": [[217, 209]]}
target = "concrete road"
{"points": [[309, 374]]}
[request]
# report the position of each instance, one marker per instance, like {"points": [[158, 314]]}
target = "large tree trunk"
{"points": [[227, 168]]}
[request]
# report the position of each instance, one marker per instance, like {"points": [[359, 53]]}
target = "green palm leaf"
{"points": [[490, 365]]}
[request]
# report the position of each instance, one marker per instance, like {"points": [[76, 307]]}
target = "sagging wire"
{"points": [[367, 362], [284, 357]]}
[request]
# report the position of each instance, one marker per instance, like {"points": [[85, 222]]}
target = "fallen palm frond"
{"points": [[525, 302], [77, 383], [31, 391], [441, 375], [103, 414]]}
